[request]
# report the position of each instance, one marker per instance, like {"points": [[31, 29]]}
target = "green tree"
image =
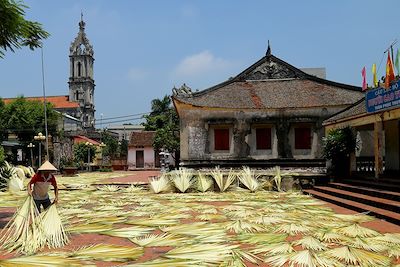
{"points": [[164, 120], [15, 30], [26, 118], [337, 147], [111, 142], [81, 151]]}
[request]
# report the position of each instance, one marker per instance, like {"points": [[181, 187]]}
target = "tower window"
{"points": [[79, 69]]}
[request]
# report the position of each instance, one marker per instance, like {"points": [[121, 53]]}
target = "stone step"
{"points": [[387, 215], [382, 203], [373, 184], [367, 191]]}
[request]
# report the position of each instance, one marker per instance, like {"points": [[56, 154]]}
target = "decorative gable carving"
{"points": [[270, 68]]}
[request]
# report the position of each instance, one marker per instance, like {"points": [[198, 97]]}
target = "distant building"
{"points": [[271, 113], [124, 131], [141, 154]]}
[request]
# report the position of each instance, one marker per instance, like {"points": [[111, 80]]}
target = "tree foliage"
{"points": [[81, 151], [26, 118], [338, 145], [15, 30], [164, 120], [111, 148]]}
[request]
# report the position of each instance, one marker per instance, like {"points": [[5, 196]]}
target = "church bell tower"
{"points": [[81, 82]]}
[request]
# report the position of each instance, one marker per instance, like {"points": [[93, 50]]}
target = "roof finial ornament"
{"points": [[268, 50], [82, 23]]}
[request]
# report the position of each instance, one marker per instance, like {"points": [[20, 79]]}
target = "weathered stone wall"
{"points": [[197, 131], [63, 148]]}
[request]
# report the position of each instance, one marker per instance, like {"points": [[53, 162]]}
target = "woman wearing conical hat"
{"points": [[41, 182]]}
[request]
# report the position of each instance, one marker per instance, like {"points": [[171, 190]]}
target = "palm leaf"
{"points": [[262, 238], [249, 179], [25, 230], [278, 260], [368, 244], [89, 228], [159, 185], [274, 248], [194, 229], [154, 222], [40, 261], [239, 257], [209, 217], [108, 252], [203, 182], [183, 181], [307, 258], [357, 230], [311, 243], [208, 253], [241, 226], [355, 256], [160, 262], [127, 232], [154, 240], [53, 228], [293, 229]]}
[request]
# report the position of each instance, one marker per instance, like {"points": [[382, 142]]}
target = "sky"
{"points": [[143, 49]]}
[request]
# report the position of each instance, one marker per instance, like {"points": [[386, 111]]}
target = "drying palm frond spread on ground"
{"points": [[228, 227]]}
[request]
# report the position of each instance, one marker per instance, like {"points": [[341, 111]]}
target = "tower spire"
{"points": [[81, 23], [268, 50]]}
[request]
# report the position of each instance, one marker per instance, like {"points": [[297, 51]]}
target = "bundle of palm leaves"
{"points": [[53, 228], [24, 232]]}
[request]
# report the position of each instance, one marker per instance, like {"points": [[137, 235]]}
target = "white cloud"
{"points": [[202, 63], [135, 74]]}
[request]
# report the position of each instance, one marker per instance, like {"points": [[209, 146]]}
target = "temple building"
{"points": [[271, 113]]}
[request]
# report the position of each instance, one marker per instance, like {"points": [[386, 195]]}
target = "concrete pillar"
{"points": [[378, 148]]}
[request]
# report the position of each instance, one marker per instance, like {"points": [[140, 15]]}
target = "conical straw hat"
{"points": [[47, 166]]}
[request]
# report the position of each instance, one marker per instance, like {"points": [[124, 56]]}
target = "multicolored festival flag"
{"points": [[389, 71], [396, 62], [364, 76], [375, 80]]}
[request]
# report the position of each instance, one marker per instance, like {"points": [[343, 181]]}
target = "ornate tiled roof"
{"points": [[144, 138], [357, 109], [271, 83], [59, 102]]}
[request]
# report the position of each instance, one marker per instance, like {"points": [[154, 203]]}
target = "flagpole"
{"points": [[45, 107]]}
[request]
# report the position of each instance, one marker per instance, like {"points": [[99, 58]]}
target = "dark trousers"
{"points": [[44, 202]]}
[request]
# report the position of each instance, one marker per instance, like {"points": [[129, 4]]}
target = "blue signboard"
{"points": [[382, 99]]}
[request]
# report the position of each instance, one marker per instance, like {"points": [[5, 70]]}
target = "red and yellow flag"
{"points": [[389, 71]]}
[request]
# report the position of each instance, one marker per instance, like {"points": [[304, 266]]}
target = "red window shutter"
{"points": [[221, 139], [302, 138], [263, 138]]}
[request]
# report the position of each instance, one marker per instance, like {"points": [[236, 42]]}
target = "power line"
{"points": [[119, 117], [114, 121]]}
